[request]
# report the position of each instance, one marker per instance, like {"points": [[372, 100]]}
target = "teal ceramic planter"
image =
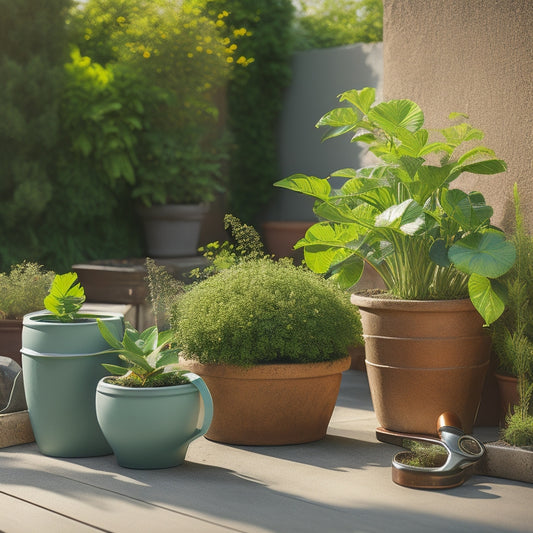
{"points": [[61, 370], [152, 427]]}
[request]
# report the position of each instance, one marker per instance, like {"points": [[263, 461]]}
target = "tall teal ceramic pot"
{"points": [[61, 369], [152, 427]]}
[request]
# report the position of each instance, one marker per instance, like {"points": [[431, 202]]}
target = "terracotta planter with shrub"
{"points": [[423, 358], [271, 404]]}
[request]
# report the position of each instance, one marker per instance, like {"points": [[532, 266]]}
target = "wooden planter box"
{"points": [[505, 461]]}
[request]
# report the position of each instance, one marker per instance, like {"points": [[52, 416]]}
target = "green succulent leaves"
{"points": [[426, 239], [66, 297], [147, 353]]}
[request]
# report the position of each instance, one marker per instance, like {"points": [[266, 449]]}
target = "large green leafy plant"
{"points": [[401, 215]]}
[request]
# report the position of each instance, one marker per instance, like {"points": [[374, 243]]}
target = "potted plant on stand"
{"points": [[164, 400], [181, 51], [22, 291], [434, 247], [270, 339], [61, 363]]}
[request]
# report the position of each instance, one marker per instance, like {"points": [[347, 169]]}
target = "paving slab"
{"points": [[339, 484]]}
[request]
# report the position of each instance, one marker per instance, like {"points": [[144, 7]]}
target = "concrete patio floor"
{"points": [[340, 484]]}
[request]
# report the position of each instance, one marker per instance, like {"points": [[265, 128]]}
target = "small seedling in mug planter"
{"points": [[148, 353]]}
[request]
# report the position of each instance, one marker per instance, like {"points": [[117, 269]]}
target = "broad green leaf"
{"points": [[170, 357], [150, 339], [335, 213], [395, 114], [345, 173], [107, 335], [66, 296], [411, 143], [436, 147], [363, 137], [165, 336], [411, 165], [438, 253], [489, 166], [475, 152], [136, 359], [309, 185], [340, 117], [487, 296], [456, 135], [468, 210], [337, 132], [115, 369], [408, 217], [132, 344], [348, 272], [362, 99], [487, 254], [320, 257]]}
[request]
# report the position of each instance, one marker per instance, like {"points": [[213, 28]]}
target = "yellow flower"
{"points": [[209, 51], [146, 54], [241, 60], [121, 20], [199, 48], [229, 59], [219, 23], [190, 54]]}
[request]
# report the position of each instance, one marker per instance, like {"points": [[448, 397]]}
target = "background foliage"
{"points": [[255, 100], [328, 23]]}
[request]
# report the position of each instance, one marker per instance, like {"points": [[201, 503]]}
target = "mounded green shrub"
{"points": [[260, 312]]}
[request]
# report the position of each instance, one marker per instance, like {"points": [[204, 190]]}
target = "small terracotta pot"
{"points": [[271, 404], [280, 237], [423, 358], [11, 339], [509, 397]]}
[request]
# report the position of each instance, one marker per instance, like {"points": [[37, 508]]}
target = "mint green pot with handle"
{"points": [[152, 427], [61, 368]]}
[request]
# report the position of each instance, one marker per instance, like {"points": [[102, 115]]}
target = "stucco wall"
{"points": [[476, 57], [318, 76]]}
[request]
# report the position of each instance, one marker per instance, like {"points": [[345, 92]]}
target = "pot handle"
{"points": [[199, 383]]}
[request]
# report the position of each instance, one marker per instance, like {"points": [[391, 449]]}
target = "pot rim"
{"points": [[269, 371], [33, 318], [111, 389], [426, 306]]}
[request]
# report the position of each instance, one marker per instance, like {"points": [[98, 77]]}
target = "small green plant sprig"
{"points": [[23, 289], [147, 354], [519, 430], [245, 244], [66, 297]]}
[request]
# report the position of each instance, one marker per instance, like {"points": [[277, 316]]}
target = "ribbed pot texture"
{"points": [[61, 369], [271, 404], [423, 358]]}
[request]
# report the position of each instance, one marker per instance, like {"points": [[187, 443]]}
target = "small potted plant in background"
{"points": [[22, 291], [181, 53], [61, 363], [434, 247], [512, 333], [152, 394], [270, 340]]}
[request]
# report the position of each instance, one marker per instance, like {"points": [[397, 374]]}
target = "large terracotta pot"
{"points": [[173, 230], [271, 404], [509, 396], [11, 339], [423, 358]]}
